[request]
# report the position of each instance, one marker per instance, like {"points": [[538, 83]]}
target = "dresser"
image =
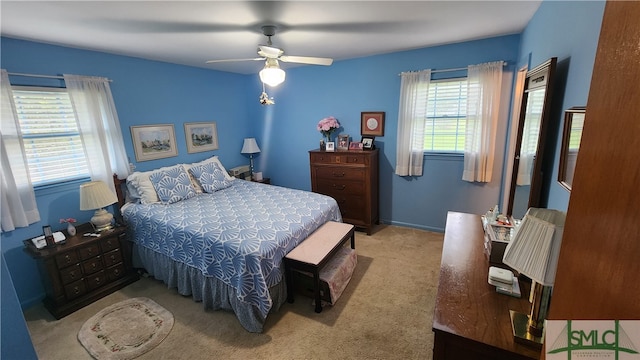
{"points": [[351, 178], [83, 269], [471, 320]]}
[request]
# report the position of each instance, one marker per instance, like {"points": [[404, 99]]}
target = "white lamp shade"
{"points": [[250, 146], [272, 75], [535, 246], [96, 195]]}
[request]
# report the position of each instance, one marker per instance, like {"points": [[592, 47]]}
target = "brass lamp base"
{"points": [[520, 328]]}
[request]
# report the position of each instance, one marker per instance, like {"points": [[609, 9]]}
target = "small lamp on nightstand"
{"points": [[533, 251], [96, 195], [250, 147]]}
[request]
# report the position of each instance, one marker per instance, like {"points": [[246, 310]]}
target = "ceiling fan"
{"points": [[271, 74]]}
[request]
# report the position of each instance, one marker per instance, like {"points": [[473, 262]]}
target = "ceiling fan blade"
{"points": [[232, 60], [306, 60], [269, 51]]}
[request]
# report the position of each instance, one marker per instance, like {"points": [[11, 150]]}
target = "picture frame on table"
{"points": [[355, 146], [201, 136], [372, 123], [343, 142], [331, 146], [152, 142], [367, 142]]}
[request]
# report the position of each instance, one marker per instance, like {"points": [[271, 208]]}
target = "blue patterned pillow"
{"points": [[210, 176], [172, 185]]}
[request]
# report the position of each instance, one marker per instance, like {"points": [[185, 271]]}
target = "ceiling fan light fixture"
{"points": [[272, 75]]}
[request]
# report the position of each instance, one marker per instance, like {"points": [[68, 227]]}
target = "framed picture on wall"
{"points": [[152, 142], [372, 123], [201, 136]]}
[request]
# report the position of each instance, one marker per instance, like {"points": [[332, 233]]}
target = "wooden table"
{"points": [[471, 320]]}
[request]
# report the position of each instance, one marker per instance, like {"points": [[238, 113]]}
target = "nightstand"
{"points": [[263, 181], [83, 269]]}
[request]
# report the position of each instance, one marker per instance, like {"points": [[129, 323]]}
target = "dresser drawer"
{"points": [[89, 251], [71, 274], [115, 272], [75, 289], [339, 187], [66, 259], [352, 207], [113, 257], [96, 280], [109, 244], [92, 265], [346, 173], [339, 158]]}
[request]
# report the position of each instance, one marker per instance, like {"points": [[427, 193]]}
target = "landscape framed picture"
{"points": [[201, 136], [372, 123], [152, 142]]}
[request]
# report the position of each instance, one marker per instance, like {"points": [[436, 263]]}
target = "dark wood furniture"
{"points": [[263, 181], [351, 178], [83, 269], [314, 253], [471, 320], [598, 265]]}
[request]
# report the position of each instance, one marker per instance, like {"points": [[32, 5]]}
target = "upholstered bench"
{"points": [[315, 252]]}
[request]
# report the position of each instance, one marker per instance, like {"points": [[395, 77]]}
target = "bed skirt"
{"points": [[213, 293]]}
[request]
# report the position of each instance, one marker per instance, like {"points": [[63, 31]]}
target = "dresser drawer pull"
{"points": [[76, 290], [97, 280], [342, 187], [338, 174]]}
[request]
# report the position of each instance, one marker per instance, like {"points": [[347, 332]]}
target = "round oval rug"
{"points": [[126, 330]]}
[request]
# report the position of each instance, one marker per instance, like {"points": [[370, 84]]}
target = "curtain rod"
{"points": [[42, 76], [504, 63]]}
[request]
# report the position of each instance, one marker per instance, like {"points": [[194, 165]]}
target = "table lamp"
{"points": [[250, 147], [533, 251], [96, 195]]}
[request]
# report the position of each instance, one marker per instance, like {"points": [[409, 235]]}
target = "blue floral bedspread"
{"points": [[238, 235]]}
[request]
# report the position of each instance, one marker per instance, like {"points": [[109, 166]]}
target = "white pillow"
{"points": [[217, 161]]}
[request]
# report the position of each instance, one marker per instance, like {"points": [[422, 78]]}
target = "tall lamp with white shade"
{"points": [[250, 146], [533, 251], [96, 195]]}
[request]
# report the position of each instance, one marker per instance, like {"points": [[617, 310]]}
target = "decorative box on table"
{"points": [[496, 238]]}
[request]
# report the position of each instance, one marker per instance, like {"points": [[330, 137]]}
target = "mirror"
{"points": [[526, 178], [571, 135]]}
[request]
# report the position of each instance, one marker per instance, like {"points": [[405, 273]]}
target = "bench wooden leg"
{"points": [[316, 289], [289, 279]]}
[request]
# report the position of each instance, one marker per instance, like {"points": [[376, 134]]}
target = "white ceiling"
{"points": [[192, 32]]}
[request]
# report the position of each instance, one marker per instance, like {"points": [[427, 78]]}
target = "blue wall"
{"points": [[148, 92]]}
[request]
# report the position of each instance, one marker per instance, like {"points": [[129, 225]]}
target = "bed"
{"points": [[222, 244]]}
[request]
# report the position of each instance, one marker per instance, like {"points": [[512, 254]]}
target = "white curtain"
{"points": [[99, 127], [483, 108], [414, 92], [19, 208]]}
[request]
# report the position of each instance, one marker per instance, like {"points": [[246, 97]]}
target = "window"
{"points": [[52, 143], [446, 116]]}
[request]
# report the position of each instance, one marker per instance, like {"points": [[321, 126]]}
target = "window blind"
{"points": [[52, 142], [446, 116]]}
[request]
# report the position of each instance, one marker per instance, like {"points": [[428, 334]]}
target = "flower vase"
{"points": [[71, 230]]}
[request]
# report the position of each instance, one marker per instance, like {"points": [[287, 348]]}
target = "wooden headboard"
{"points": [[120, 185]]}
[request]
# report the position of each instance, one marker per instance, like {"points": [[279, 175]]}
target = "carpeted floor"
{"points": [[385, 313]]}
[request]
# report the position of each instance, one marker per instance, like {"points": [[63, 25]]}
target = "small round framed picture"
{"points": [[372, 123]]}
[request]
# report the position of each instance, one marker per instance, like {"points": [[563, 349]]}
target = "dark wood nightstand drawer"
{"points": [[92, 265], [75, 289], [113, 257], [116, 272], [96, 280], [71, 274], [89, 251], [109, 244], [66, 259]]}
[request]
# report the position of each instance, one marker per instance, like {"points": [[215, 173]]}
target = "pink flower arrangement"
{"points": [[328, 125], [69, 220]]}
